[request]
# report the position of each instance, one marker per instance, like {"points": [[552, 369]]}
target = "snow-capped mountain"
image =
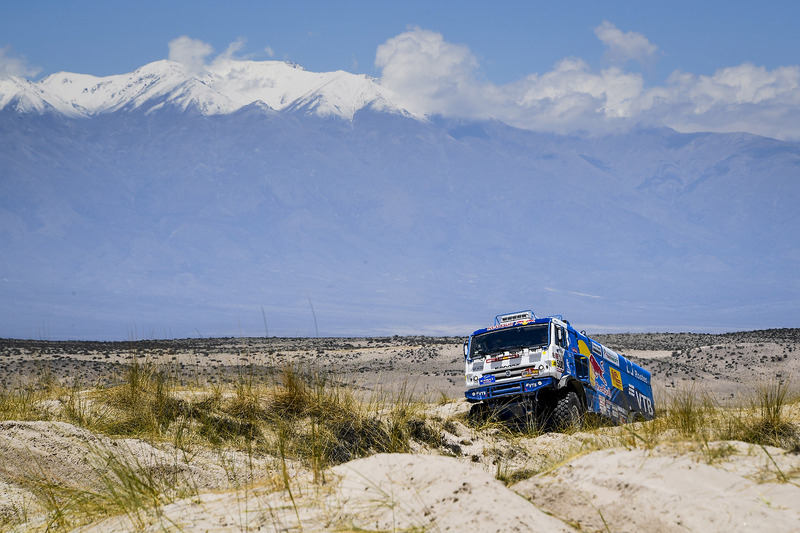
{"points": [[27, 97], [165, 204], [223, 87]]}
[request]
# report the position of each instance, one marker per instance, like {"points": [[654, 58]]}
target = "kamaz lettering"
{"points": [[559, 374]]}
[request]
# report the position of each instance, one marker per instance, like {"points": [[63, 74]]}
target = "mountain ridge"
{"points": [[221, 88], [340, 216]]}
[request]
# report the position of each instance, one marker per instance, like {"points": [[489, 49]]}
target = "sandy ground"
{"points": [[673, 489], [384, 492], [717, 486], [724, 486]]}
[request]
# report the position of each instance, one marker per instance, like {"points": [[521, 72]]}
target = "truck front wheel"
{"points": [[478, 414], [568, 412]]}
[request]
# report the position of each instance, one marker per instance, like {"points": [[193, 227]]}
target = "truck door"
{"points": [[559, 344]]}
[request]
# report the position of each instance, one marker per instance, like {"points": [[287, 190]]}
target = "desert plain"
{"points": [[723, 453]]}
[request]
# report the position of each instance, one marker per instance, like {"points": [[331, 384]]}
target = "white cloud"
{"points": [[191, 53], [746, 83], [623, 47], [434, 77], [17, 67], [194, 54], [433, 73], [742, 98], [231, 50], [571, 97]]}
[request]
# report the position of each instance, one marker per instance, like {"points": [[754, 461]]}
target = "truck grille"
{"points": [[508, 373]]}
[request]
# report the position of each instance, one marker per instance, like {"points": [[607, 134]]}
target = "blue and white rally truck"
{"points": [[546, 372]]}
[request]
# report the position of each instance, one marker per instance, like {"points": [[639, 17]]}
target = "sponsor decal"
{"points": [[638, 375], [616, 378], [611, 356], [620, 414], [486, 379], [509, 324], [529, 372], [504, 357], [478, 394], [603, 389], [477, 366], [597, 371], [531, 386], [645, 404]]}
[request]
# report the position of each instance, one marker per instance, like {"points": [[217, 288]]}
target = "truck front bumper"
{"points": [[508, 389]]}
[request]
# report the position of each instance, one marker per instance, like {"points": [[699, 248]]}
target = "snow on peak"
{"points": [[150, 86], [282, 86], [22, 95], [223, 87]]}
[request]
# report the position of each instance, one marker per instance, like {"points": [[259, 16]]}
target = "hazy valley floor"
{"points": [[726, 364]]}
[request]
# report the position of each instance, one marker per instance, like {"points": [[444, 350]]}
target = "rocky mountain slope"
{"points": [[268, 199]]}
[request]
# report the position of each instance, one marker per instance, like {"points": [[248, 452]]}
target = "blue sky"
{"points": [[511, 39], [496, 53]]}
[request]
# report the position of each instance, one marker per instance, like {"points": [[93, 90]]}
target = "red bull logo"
{"points": [[598, 369]]}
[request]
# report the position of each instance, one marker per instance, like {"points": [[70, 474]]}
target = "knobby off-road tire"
{"points": [[478, 414], [568, 412]]}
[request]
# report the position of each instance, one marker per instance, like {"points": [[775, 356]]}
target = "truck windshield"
{"points": [[509, 339]]}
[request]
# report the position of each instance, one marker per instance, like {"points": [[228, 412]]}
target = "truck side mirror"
{"points": [[466, 348]]}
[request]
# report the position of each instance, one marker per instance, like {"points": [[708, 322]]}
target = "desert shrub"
{"points": [[145, 403], [765, 423], [688, 412], [18, 404], [326, 424]]}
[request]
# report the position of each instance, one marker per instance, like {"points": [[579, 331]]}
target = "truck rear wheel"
{"points": [[568, 412]]}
